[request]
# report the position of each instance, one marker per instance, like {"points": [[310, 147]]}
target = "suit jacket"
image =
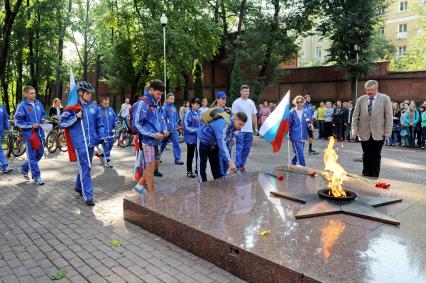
{"points": [[379, 124]]}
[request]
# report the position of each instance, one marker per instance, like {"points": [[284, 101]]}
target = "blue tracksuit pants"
{"points": [[109, 143], [299, 157], [244, 141], [33, 157], [84, 180], [3, 160], [174, 137]]}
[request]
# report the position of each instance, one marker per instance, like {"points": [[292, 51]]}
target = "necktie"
{"points": [[370, 105]]}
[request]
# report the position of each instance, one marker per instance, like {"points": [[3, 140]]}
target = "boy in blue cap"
{"points": [[4, 125], [29, 116], [171, 118]]}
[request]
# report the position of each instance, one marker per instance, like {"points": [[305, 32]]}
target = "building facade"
{"points": [[399, 27]]}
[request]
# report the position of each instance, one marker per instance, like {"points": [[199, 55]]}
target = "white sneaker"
{"points": [[108, 164], [39, 181], [23, 173], [6, 170]]}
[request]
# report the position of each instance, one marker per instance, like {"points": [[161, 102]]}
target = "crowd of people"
{"points": [[209, 131], [335, 119]]}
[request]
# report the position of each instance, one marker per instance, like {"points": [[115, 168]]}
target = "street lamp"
{"points": [[163, 21], [357, 48]]}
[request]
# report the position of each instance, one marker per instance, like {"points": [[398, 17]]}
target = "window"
{"points": [[402, 27], [381, 11], [318, 52], [403, 5], [402, 50]]}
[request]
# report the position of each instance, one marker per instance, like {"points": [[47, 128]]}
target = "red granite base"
{"points": [[222, 222], [237, 261]]}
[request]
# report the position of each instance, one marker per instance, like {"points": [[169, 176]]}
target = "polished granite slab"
{"points": [[221, 221]]}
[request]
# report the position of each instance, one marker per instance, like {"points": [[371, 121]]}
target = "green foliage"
{"points": [[197, 74], [349, 23], [115, 243], [58, 275], [236, 82]]}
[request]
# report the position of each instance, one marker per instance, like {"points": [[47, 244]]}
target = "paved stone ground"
{"points": [[43, 229]]}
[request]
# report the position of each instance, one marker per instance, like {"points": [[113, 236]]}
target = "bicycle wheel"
{"points": [[124, 138], [62, 143], [18, 146], [9, 144], [51, 142]]}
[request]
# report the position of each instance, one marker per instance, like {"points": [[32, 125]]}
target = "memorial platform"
{"points": [[238, 225]]}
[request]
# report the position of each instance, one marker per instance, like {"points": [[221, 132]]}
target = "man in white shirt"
{"points": [[125, 109], [245, 138]]}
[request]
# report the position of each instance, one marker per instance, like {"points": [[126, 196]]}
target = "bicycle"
{"points": [[15, 142], [122, 134], [56, 139]]}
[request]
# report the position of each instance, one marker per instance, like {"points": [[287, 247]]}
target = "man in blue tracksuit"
{"points": [[109, 119], [86, 131], [211, 144], [298, 129], [29, 116], [171, 118], [152, 130], [4, 125], [191, 123]]}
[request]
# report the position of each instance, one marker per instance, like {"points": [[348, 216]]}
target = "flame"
{"points": [[330, 234], [336, 174]]}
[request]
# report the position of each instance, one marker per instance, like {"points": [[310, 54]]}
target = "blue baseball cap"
{"points": [[221, 94]]}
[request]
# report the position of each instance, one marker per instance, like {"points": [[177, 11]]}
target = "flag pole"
{"points": [[288, 150], [85, 143]]}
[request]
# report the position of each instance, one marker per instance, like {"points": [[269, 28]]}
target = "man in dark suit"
{"points": [[372, 122]]}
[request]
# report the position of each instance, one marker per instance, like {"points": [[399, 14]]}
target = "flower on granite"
{"points": [[314, 174], [281, 178], [382, 185]]}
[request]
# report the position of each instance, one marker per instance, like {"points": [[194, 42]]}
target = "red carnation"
{"points": [[382, 185], [314, 174], [280, 178]]}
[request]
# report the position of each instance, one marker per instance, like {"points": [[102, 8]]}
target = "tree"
{"points": [[197, 74], [236, 82], [8, 20], [348, 23]]}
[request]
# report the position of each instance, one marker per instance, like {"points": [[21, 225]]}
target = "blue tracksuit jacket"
{"points": [[171, 117], [4, 125], [191, 123], [92, 124], [26, 115], [149, 120], [216, 134]]}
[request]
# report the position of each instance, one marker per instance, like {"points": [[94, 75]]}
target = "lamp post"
{"points": [[357, 48], [163, 21]]}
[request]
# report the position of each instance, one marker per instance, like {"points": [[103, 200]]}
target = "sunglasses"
{"points": [[299, 102]]}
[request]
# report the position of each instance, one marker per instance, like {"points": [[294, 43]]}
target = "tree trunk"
{"points": [[353, 90], [241, 16], [19, 70], [98, 74], [260, 80], [186, 88], [9, 18], [58, 79], [5, 87]]}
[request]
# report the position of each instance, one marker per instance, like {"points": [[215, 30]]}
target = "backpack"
{"points": [[212, 114]]}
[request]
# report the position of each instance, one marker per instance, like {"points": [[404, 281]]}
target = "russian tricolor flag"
{"points": [[276, 125], [72, 105]]}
